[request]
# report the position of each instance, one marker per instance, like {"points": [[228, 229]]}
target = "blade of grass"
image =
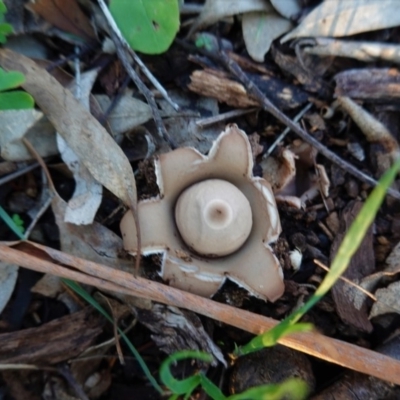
{"points": [[185, 386], [10, 223], [86, 296], [348, 247], [294, 389]]}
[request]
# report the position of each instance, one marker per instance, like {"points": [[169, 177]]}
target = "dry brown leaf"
{"points": [[65, 15], [343, 18], [259, 31], [101, 155]]}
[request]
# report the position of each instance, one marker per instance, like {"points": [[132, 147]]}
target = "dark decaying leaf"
{"points": [[361, 265], [65, 15]]}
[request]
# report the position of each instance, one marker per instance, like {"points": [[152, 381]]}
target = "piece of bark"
{"points": [[371, 84], [217, 84], [59, 340], [174, 330], [350, 310]]}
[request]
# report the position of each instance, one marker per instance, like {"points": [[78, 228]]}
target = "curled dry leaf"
{"points": [[344, 18], [260, 29], [79, 128], [86, 199]]}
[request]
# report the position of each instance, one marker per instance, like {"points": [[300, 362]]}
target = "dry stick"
{"points": [[16, 174], [144, 90], [256, 93], [312, 343], [123, 50], [202, 123], [115, 29]]}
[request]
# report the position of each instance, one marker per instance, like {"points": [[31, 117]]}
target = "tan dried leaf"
{"points": [[260, 29], [343, 18], [90, 141]]}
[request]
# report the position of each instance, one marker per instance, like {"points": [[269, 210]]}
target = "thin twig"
{"points": [[313, 343], [16, 174], [43, 207], [153, 80], [256, 93], [286, 131], [162, 131], [104, 117], [201, 123], [123, 51]]}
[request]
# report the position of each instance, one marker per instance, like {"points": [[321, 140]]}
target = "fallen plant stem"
{"points": [[114, 27], [332, 350], [256, 93], [18, 173], [124, 52]]}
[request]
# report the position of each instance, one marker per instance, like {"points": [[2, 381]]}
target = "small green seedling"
{"points": [[5, 28], [17, 99]]}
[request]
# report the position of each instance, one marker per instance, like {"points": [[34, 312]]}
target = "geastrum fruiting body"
{"points": [[212, 221]]}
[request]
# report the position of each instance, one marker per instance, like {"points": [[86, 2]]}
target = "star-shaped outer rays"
{"points": [[253, 266]]}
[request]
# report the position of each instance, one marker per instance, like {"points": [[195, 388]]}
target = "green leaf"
{"points": [[3, 7], [149, 26], [348, 247], [17, 100], [10, 80]]}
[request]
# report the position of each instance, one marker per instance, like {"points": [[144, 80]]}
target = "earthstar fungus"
{"points": [[212, 221]]}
